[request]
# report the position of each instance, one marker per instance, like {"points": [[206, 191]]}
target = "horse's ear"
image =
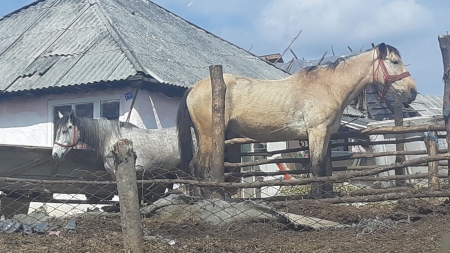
{"points": [[383, 51], [60, 114], [72, 115]]}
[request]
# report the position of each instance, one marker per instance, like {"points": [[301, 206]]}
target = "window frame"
{"points": [[73, 101]]}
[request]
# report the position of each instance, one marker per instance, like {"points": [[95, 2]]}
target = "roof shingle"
{"points": [[56, 43]]}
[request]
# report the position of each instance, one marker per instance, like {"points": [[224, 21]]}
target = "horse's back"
{"points": [[251, 106], [155, 148]]}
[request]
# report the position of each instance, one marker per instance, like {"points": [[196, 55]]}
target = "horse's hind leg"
{"points": [[318, 147], [201, 162]]}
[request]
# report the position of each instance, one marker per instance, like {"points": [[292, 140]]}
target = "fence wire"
{"points": [[80, 212]]}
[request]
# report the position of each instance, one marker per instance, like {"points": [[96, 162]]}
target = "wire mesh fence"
{"points": [[264, 214], [364, 206]]}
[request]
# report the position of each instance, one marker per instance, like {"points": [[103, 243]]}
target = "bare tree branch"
{"points": [[290, 44], [323, 57], [292, 52]]}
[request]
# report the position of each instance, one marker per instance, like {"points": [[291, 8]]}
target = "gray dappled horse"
{"points": [[156, 149], [308, 104]]}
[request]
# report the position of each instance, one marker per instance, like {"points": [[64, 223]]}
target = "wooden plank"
{"points": [[310, 222], [360, 133], [33, 163], [333, 145], [23, 168], [59, 188]]}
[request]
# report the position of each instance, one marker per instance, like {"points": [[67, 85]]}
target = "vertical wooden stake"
{"points": [[433, 167], [124, 160], [398, 118], [328, 187], [444, 44], [216, 172]]}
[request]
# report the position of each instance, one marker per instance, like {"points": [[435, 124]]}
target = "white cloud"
{"points": [[346, 21], [214, 8], [269, 25]]}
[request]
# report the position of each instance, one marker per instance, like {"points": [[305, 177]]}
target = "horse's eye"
{"points": [[70, 127], [394, 61], [65, 131]]}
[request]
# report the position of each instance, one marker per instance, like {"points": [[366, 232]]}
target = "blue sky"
{"points": [[268, 26]]}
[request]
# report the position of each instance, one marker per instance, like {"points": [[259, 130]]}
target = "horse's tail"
{"points": [[185, 143]]}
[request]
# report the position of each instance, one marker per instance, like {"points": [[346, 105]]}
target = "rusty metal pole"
{"points": [[216, 171], [124, 160]]}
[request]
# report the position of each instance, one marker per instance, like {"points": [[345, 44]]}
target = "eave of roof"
{"points": [[65, 43]]}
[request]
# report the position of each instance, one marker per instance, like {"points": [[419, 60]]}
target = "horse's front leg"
{"points": [[318, 147]]}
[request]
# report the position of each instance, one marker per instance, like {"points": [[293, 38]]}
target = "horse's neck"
{"points": [[101, 140], [352, 77]]}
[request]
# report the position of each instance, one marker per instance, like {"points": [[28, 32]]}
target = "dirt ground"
{"points": [[430, 222]]}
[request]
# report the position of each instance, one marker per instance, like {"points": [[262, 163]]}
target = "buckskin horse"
{"points": [[308, 104], [157, 154]]}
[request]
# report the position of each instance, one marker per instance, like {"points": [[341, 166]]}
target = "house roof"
{"points": [[57, 43], [356, 123], [428, 105], [423, 105]]}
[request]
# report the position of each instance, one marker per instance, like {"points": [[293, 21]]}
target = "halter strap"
{"points": [[74, 140], [388, 79]]}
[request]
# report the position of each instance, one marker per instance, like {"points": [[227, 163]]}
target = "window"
{"points": [[109, 109], [85, 110]]}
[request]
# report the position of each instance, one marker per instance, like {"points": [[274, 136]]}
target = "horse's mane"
{"points": [[328, 64], [334, 64], [95, 132]]}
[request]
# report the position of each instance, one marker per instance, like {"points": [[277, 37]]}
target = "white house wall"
{"points": [[28, 121], [23, 122]]}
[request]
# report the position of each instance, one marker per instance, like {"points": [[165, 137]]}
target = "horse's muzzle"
{"points": [[412, 95], [409, 96], [57, 157]]}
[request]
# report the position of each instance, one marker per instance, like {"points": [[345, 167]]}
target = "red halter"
{"points": [[74, 140], [388, 79]]}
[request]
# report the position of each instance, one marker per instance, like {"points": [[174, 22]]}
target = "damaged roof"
{"points": [[58, 43]]}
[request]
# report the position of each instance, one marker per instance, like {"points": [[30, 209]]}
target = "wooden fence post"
{"points": [[124, 161], [433, 167], [216, 171], [444, 44], [328, 187], [398, 119]]}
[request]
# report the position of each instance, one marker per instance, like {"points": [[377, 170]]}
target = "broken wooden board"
{"points": [[310, 222], [181, 208]]}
